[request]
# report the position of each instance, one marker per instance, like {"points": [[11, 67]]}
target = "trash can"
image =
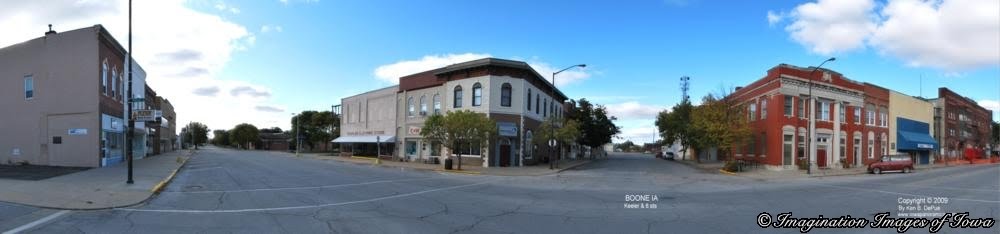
{"points": [[447, 164]]}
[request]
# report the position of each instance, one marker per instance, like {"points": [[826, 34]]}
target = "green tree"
{"points": [[626, 146], [456, 128], [567, 131], [996, 135], [317, 127], [720, 123], [595, 125], [220, 137], [244, 134], [675, 126], [198, 131]]}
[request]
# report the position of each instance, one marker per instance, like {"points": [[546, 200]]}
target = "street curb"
{"points": [[159, 186], [459, 171], [726, 172], [111, 207]]}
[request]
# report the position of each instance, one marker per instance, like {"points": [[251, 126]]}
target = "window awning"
{"points": [[915, 141], [365, 139]]}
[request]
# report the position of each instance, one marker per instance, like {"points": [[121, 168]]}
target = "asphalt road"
{"points": [[227, 191]]}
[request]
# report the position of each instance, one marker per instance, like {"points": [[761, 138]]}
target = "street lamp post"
{"points": [[812, 116], [552, 162], [298, 133], [131, 124]]}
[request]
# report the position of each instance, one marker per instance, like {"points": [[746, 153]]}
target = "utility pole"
{"points": [[552, 144], [131, 124]]}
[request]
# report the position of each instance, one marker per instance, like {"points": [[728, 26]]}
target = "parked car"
{"points": [[669, 156], [659, 154], [892, 163]]}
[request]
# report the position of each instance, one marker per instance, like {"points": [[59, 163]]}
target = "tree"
{"points": [[199, 131], [565, 133], [457, 128], [221, 137], [721, 123], [675, 126], [271, 130], [996, 136], [626, 146], [595, 125], [244, 134], [317, 127]]}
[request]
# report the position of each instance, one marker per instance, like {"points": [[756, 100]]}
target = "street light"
{"points": [[298, 133], [812, 116], [131, 124], [552, 162]]}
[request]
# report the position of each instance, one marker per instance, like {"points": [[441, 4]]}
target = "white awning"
{"points": [[365, 139]]}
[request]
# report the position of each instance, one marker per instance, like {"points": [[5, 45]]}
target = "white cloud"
{"points": [[774, 18], [830, 26], [634, 110], [392, 72], [181, 55], [637, 133], [951, 35], [270, 28], [992, 105]]}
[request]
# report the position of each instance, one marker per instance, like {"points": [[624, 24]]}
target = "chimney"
{"points": [[738, 88], [50, 32]]}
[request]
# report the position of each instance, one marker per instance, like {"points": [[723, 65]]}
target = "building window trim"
{"points": [[477, 94], [789, 106], [410, 108], [505, 94], [29, 87], [457, 97], [437, 103]]}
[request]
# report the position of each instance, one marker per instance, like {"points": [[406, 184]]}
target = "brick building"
{"points": [[960, 124], [850, 127], [509, 92]]}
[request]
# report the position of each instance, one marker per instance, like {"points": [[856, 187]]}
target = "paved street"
{"points": [[222, 190]]}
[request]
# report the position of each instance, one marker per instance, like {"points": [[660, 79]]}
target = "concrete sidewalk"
{"points": [[97, 188], [534, 170]]}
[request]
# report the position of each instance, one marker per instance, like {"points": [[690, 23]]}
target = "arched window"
{"points": [[505, 95], [409, 106], [104, 77], [114, 83], [545, 109], [437, 104], [458, 97], [423, 105], [529, 99], [477, 94], [538, 105]]}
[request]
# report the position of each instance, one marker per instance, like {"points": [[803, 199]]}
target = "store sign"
{"points": [[414, 130], [925, 146], [146, 115], [506, 129], [77, 131]]}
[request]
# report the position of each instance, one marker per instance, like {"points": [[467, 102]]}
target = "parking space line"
{"points": [[37, 222], [905, 194], [305, 188], [305, 207]]}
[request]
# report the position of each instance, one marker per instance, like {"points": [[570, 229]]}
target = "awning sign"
{"points": [[925, 146]]}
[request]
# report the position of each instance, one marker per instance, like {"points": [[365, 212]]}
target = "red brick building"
{"points": [[960, 124], [850, 127]]}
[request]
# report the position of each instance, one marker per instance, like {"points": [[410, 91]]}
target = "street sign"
{"points": [[77, 131], [146, 115]]}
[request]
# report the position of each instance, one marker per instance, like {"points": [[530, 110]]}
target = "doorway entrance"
{"points": [[821, 157]]}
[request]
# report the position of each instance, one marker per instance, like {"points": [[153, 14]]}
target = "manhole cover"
{"points": [[193, 187]]}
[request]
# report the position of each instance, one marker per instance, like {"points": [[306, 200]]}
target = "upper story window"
{"points": [[763, 108], [751, 115], [824, 111], [545, 105], [884, 116], [857, 115], [789, 102], [477, 94], [437, 104], [529, 99], [409, 107], [458, 97], [841, 112], [802, 107], [505, 91], [423, 105], [29, 87], [114, 83], [104, 77], [537, 103], [870, 115]]}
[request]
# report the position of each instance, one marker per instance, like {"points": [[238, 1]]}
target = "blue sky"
{"points": [[306, 55]]}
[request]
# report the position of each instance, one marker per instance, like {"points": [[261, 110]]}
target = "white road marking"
{"points": [[305, 207], [37, 222], [905, 194], [302, 188]]}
